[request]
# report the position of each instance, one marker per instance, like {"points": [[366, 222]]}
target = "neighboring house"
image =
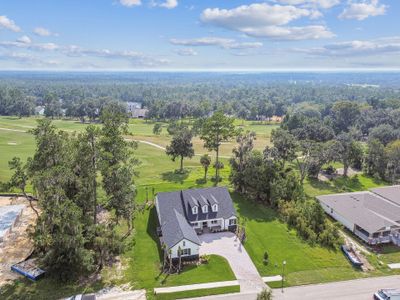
{"points": [[136, 111], [182, 215], [133, 105], [374, 216], [39, 110], [139, 113]]}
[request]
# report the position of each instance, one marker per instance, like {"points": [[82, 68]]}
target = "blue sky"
{"points": [[198, 35]]}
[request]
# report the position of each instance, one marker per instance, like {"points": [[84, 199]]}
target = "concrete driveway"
{"points": [[227, 245]]}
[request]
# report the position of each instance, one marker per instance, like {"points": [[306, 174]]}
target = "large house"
{"points": [[183, 215], [374, 216]]}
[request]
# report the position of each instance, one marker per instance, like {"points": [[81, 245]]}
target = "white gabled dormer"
{"points": [[195, 210], [204, 208], [215, 207]]}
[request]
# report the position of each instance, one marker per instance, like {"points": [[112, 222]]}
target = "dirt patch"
{"points": [[17, 246]]}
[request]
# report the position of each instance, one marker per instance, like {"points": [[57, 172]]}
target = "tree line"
{"points": [[67, 171]]}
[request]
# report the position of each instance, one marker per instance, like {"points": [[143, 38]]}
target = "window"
{"points": [[205, 209], [331, 210], [215, 208], [194, 210], [185, 251], [183, 244], [195, 224], [232, 222], [214, 222]]}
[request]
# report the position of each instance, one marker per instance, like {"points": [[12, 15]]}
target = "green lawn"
{"points": [[305, 264], [141, 264], [144, 268]]}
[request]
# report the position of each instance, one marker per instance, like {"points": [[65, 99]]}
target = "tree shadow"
{"points": [[174, 176], [151, 230]]}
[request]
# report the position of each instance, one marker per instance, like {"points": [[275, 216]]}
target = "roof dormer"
{"points": [[195, 210], [204, 209], [214, 207]]}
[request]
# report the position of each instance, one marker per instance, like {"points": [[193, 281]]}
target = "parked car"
{"points": [[387, 294]]}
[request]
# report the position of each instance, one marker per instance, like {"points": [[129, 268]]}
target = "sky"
{"points": [[199, 35]]}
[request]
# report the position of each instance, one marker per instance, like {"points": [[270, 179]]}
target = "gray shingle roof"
{"points": [[175, 211], [176, 229], [367, 210], [391, 193]]}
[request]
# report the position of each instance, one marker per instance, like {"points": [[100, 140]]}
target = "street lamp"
{"points": [[283, 273]]}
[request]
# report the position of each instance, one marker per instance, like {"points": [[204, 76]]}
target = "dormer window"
{"points": [[215, 208], [194, 210], [205, 209]]}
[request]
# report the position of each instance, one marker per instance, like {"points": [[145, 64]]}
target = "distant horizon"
{"points": [[339, 70]]}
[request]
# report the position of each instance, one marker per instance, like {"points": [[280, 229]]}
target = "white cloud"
{"points": [[136, 58], [186, 52], [312, 3], [24, 39], [264, 20], [8, 24], [26, 43], [216, 41], [41, 31], [363, 9], [169, 4], [130, 3], [357, 48], [312, 32], [253, 15], [27, 58]]}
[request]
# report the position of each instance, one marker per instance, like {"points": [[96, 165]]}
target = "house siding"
{"points": [[194, 249], [346, 223]]}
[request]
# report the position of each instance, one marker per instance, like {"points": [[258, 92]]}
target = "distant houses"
{"points": [[183, 215], [39, 110], [373, 216], [136, 111]]}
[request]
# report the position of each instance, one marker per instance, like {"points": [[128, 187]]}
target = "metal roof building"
{"points": [[374, 216]]}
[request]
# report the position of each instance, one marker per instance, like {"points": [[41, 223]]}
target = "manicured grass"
{"points": [[305, 263], [358, 182], [198, 293], [144, 269], [390, 254]]}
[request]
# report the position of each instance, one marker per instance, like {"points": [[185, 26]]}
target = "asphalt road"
{"points": [[361, 289]]}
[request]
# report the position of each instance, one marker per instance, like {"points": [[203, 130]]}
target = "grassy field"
{"points": [[141, 264]]}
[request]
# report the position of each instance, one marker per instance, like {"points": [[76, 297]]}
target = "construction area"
{"points": [[16, 218]]}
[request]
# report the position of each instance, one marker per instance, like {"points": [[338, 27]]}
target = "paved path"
{"points": [[152, 144], [394, 266], [125, 295], [15, 130], [272, 278], [228, 246], [199, 286], [344, 290]]}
